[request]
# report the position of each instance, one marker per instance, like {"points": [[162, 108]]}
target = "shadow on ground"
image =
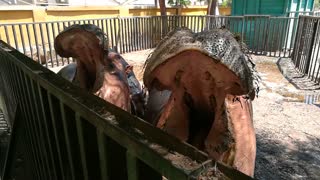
{"points": [[295, 160], [299, 80]]}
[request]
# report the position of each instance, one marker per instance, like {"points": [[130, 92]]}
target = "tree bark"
{"points": [[163, 9], [212, 7]]}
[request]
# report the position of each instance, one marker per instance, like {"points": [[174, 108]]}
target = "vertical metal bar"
{"points": [[198, 23], [139, 38], [43, 45], [281, 36], [275, 39], [22, 39], [50, 47], [7, 34], [267, 33], [192, 24], [46, 130], [256, 28], [286, 36], [187, 22], [132, 167], [36, 123], [55, 132], [15, 36], [249, 33], [316, 52], [37, 43], [11, 79], [299, 40], [133, 34], [117, 33], [311, 47], [65, 129], [81, 146], [24, 110], [121, 35], [259, 34], [243, 28], [130, 35], [126, 32], [144, 33], [98, 21], [112, 32], [102, 154], [68, 60], [104, 32], [154, 31], [202, 22], [149, 36], [35, 130], [60, 30], [294, 35], [54, 36], [279, 31], [317, 76], [137, 33], [305, 47], [296, 42], [301, 43], [29, 40]]}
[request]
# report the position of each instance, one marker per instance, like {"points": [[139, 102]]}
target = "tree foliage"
{"points": [[226, 3], [183, 3], [317, 4]]}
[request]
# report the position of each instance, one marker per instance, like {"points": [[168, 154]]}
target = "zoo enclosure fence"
{"points": [[306, 56], [53, 120], [273, 36], [62, 132]]}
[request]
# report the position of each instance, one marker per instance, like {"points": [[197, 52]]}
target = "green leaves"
{"points": [[184, 3]]}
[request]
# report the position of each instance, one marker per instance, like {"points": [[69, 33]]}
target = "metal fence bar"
{"points": [[306, 55], [55, 134], [275, 36], [36, 123], [102, 154], [316, 52], [45, 117], [81, 146], [67, 139], [24, 110]]}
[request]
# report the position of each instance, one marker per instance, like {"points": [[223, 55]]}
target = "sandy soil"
{"points": [[287, 128]]}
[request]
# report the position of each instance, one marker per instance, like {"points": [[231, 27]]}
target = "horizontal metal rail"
{"points": [[263, 34], [62, 132]]}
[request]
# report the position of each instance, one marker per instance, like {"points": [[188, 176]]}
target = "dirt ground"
{"points": [[286, 119]]}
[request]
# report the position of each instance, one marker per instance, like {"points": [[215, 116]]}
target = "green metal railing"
{"points": [[62, 132], [307, 47], [264, 34]]}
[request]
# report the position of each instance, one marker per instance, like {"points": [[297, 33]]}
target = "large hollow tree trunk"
{"points": [[200, 90]]}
